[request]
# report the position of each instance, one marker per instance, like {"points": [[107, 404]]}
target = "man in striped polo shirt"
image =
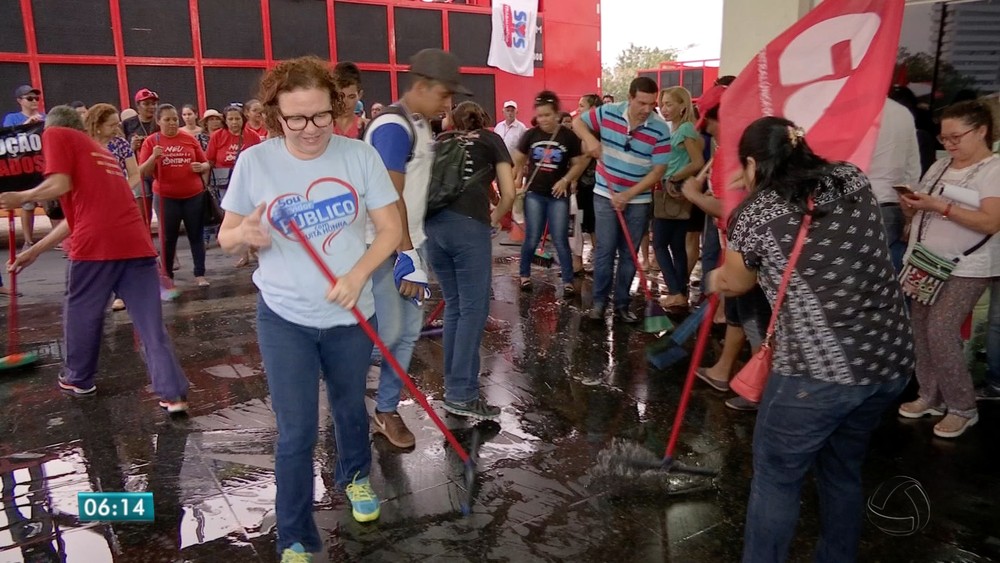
{"points": [[632, 156]]}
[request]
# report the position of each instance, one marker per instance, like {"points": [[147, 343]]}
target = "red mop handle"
{"points": [[12, 336], [386, 354], [635, 255], [699, 351]]}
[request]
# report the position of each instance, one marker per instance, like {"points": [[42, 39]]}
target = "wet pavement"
{"points": [[212, 473]]}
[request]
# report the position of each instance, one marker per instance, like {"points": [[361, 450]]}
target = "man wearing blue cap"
{"points": [[28, 98]]}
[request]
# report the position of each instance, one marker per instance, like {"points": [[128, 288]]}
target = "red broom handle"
{"points": [[635, 255], [699, 348], [699, 351], [386, 354], [435, 313]]}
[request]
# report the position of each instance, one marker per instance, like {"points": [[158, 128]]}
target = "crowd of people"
{"points": [[882, 268]]}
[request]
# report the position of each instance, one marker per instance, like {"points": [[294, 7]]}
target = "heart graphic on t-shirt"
{"points": [[328, 207]]}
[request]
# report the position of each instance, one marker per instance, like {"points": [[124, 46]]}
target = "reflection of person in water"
{"points": [[164, 446], [35, 533]]}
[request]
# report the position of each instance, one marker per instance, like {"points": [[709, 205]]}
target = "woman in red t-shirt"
{"points": [[176, 162], [224, 148], [255, 118]]}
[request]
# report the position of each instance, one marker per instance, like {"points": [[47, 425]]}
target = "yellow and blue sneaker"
{"points": [[365, 504], [296, 554]]}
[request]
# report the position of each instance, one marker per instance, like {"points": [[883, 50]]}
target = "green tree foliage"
{"points": [[615, 80], [920, 68]]}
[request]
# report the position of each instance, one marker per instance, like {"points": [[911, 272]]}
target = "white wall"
{"points": [[748, 25]]}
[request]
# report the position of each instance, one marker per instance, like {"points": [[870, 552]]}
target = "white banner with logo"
{"points": [[512, 45]]}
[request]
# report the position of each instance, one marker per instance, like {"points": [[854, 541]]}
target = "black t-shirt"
{"points": [[552, 155], [132, 127], [486, 149]]}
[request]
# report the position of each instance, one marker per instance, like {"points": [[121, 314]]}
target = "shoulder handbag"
{"points": [[666, 206], [924, 273], [212, 213], [750, 381]]}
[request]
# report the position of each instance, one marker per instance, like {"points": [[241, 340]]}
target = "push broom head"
{"points": [[543, 259], [656, 320], [627, 469], [15, 361]]}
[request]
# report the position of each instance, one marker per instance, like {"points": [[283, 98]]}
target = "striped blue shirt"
{"points": [[627, 156]]}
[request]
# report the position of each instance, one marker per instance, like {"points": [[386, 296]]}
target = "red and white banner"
{"points": [[512, 44], [829, 73]]}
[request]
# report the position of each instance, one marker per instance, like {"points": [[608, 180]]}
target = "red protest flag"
{"points": [[829, 73]]}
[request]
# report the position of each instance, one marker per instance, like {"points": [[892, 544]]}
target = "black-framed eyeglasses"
{"points": [[31, 98], [299, 122], [954, 139]]}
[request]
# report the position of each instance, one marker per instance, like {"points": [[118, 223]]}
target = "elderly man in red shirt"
{"points": [[110, 252]]}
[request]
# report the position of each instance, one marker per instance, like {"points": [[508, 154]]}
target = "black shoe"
{"points": [[478, 409], [626, 316], [738, 403], [987, 392]]}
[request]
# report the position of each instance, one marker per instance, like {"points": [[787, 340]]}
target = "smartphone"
{"points": [[903, 189]]}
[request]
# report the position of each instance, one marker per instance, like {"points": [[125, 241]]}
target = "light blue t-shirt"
{"points": [[329, 198]]}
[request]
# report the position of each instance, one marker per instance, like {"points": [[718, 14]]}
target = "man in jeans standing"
{"points": [[896, 162], [632, 156], [402, 136]]}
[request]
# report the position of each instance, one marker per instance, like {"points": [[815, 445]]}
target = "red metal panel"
{"points": [[31, 45], [265, 19], [571, 57], [124, 96], [391, 28], [331, 27], [199, 74]]}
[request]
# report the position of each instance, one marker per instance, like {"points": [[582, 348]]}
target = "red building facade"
{"points": [[212, 52]]}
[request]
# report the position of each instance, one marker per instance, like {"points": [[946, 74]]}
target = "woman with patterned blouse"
{"points": [[843, 349]]}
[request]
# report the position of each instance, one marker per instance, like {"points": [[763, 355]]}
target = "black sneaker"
{"points": [[987, 392], [626, 316], [478, 408], [596, 313]]}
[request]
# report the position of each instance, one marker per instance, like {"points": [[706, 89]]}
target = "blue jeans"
{"points": [[993, 337], [670, 245], [399, 324], [893, 221], [804, 423], [539, 209], [295, 357], [611, 242], [460, 252]]}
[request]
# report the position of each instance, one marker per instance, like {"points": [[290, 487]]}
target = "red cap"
{"points": [[146, 94], [707, 101]]}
